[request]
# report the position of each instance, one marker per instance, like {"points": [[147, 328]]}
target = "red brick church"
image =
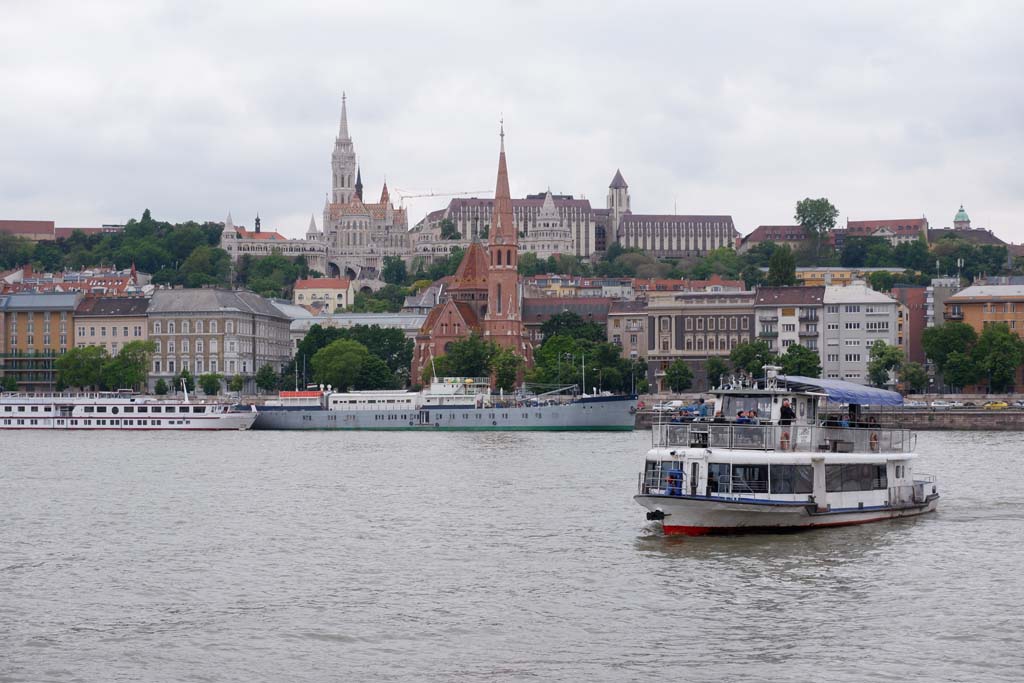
{"points": [[484, 294]]}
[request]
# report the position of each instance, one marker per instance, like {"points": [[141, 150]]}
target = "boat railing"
{"points": [[736, 485], [734, 436]]}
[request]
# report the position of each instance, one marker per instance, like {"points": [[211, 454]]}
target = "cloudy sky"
{"points": [[193, 109]]}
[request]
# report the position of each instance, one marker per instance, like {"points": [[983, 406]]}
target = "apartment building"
{"points": [[855, 317], [788, 316]]}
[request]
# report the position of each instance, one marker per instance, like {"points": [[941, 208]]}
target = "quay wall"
{"points": [[923, 419]]}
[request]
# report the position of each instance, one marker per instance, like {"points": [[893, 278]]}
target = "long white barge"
{"points": [[118, 411], [794, 465]]}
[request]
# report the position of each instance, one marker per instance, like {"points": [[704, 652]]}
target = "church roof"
{"points": [[618, 182], [472, 271], [961, 215], [464, 310]]}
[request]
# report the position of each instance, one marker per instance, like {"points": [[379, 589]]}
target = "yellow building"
{"points": [[111, 322], [983, 305], [838, 277], [34, 330], [330, 293]]}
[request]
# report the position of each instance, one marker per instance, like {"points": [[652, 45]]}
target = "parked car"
{"points": [[1018, 404], [939, 404], [996, 405], [668, 407], [957, 404], [970, 404], [915, 404]]}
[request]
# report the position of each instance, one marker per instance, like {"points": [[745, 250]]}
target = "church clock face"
{"points": [[499, 240]]}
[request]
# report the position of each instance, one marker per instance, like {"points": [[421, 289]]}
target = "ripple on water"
{"points": [[409, 557]]}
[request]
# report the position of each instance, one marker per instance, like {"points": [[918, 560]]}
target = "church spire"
{"points": [[343, 128], [359, 183], [385, 198], [503, 222]]}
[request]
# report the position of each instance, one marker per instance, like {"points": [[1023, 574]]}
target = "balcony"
{"points": [[769, 319], [954, 315], [808, 333], [768, 334], [809, 318]]}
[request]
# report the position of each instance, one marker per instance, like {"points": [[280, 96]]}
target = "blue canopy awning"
{"points": [[843, 392]]}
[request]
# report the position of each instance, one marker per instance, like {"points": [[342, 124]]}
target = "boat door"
{"points": [[694, 477], [424, 417]]}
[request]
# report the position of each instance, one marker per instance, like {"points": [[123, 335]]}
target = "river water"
{"points": [[478, 556]]}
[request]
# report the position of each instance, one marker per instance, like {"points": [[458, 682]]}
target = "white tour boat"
{"points": [[805, 467], [118, 410]]}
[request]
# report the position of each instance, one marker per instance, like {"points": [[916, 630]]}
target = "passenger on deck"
{"points": [[752, 416], [704, 409], [786, 413], [742, 419]]}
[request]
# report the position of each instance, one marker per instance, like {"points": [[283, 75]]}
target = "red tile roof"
{"points": [[263, 235], [323, 283], [472, 270]]}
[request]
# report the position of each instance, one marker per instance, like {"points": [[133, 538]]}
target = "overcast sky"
{"points": [[193, 109]]}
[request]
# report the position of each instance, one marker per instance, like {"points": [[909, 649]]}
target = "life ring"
{"points": [[494, 423], [632, 410], [784, 441], [873, 439]]}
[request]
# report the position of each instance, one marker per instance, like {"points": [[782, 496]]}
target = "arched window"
{"points": [[213, 346], [170, 346], [499, 295], [199, 326], [199, 346], [213, 326], [158, 346], [170, 327], [229, 327], [184, 345], [157, 327], [184, 327]]}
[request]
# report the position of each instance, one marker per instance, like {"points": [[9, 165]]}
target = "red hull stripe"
{"points": [[706, 530]]}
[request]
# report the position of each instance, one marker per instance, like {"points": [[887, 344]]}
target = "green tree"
{"points": [[716, 369], [997, 356], [469, 357], [530, 265], [185, 377], [678, 376], [881, 359], [449, 231], [347, 364], [818, 217], [751, 357], [161, 388], [506, 365], [782, 268], [914, 377], [82, 367], [9, 383], [961, 369], [236, 384], [882, 281], [266, 378], [800, 360], [129, 369], [571, 324], [394, 271], [210, 383], [942, 340]]}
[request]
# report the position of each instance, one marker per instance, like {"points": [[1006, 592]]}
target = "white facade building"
{"points": [[855, 317]]}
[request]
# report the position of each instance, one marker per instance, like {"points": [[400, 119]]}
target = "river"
{"points": [[274, 556]]}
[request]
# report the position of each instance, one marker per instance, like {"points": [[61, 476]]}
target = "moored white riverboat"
{"points": [[795, 469], [119, 411]]}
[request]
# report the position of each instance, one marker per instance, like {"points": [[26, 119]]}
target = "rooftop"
{"points": [[112, 306], [988, 292], [798, 296], [855, 293]]}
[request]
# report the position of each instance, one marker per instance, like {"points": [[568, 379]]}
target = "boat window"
{"points": [[762, 404], [101, 409], [143, 409], [199, 409], [170, 409], [855, 477], [718, 476], [792, 479], [90, 409], [129, 409], [157, 409], [750, 478]]}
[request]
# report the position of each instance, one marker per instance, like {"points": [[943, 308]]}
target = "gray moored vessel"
{"points": [[449, 404]]}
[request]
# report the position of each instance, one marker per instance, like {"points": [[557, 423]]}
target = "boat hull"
{"points": [[239, 421], [601, 414], [703, 515]]}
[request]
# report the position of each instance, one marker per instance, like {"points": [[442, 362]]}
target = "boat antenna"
{"points": [[184, 388], [433, 370]]}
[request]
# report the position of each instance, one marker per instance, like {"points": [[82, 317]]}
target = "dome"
{"points": [[961, 216]]}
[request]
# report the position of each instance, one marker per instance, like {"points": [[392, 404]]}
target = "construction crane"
{"points": [[404, 194]]}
